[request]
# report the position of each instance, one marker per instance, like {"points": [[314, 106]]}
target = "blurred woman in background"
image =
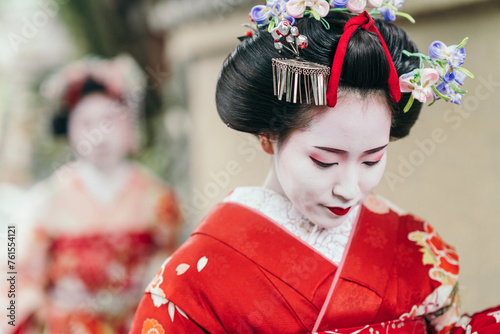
{"points": [[101, 220]]}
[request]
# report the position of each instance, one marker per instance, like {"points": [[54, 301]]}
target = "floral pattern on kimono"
{"points": [[398, 277]]}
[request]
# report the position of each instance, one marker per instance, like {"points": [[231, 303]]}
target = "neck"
{"points": [[105, 185], [107, 172], [272, 181]]}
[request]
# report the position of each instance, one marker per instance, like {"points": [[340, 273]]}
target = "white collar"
{"points": [[104, 188], [329, 242]]}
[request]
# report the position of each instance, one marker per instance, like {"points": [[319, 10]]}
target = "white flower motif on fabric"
{"points": [[158, 295], [329, 242], [463, 322], [436, 300], [171, 311], [158, 301], [441, 297], [154, 289], [495, 314], [201, 263], [182, 268], [469, 330], [171, 307]]}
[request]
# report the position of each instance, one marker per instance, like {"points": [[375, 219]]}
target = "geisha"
{"points": [[313, 249], [98, 223]]}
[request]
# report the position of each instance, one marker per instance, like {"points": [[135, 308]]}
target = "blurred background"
{"points": [[446, 171]]}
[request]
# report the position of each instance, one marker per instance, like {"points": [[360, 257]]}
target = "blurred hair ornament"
{"points": [[121, 77]]}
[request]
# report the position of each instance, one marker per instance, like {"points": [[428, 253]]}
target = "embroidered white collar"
{"points": [[330, 242]]}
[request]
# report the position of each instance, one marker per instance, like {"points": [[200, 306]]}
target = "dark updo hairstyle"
{"points": [[245, 98], [74, 94]]}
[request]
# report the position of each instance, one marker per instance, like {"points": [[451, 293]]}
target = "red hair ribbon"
{"points": [[364, 21]]}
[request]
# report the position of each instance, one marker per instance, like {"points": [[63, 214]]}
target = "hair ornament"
{"points": [[295, 80], [363, 21], [442, 79], [121, 76], [299, 81], [388, 9], [297, 8]]}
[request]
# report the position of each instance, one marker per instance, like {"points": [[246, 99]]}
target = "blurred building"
{"points": [[32, 42], [446, 171]]}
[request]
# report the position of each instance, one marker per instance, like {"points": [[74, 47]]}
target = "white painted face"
{"points": [[333, 165], [101, 131]]}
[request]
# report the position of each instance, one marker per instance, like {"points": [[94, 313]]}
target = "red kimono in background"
{"points": [[239, 272], [84, 263]]}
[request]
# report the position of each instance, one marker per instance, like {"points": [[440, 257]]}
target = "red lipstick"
{"points": [[339, 211]]}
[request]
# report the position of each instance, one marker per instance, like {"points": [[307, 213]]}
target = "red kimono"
{"points": [[84, 263], [240, 272]]}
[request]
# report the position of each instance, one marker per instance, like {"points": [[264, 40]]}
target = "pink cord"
{"points": [[336, 277]]}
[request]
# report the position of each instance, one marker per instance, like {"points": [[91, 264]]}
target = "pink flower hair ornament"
{"points": [[318, 8], [419, 83]]}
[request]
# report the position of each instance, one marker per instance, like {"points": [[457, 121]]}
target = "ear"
{"points": [[267, 144]]}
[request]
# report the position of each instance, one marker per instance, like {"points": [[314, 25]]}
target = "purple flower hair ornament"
{"points": [[454, 76], [455, 95], [338, 3], [272, 13], [453, 55], [441, 79], [390, 10]]}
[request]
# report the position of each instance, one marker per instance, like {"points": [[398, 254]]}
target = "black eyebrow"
{"points": [[374, 150], [329, 149], [336, 150]]}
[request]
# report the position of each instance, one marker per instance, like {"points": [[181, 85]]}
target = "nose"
{"points": [[347, 185]]}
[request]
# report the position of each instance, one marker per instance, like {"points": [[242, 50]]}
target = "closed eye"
{"points": [[323, 164], [371, 163]]}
